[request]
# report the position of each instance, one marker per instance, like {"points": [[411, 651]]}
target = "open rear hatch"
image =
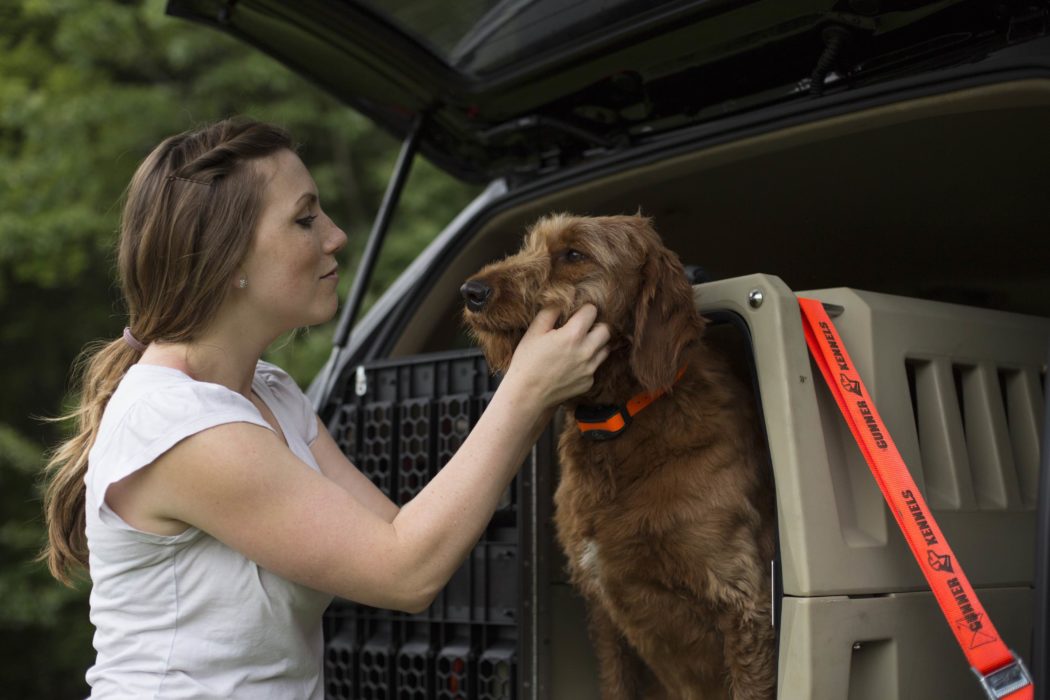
{"points": [[526, 86]]}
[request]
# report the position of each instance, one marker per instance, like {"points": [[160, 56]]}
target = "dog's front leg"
{"points": [[622, 674], [750, 653]]}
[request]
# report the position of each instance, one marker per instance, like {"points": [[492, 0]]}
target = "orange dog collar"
{"points": [[606, 422]]}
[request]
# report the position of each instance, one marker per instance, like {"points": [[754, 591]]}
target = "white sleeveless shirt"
{"points": [[185, 616]]}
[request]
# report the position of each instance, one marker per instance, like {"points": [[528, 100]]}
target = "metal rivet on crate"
{"points": [[755, 298]]}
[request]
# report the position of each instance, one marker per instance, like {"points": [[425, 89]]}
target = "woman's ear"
{"points": [[665, 317]]}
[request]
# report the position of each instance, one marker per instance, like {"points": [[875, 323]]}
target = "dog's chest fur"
{"points": [[612, 501], [588, 564], [644, 510]]}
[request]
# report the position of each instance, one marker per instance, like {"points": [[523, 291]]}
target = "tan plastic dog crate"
{"points": [[960, 390]]}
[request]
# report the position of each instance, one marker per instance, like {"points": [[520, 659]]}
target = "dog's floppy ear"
{"points": [[665, 319]]}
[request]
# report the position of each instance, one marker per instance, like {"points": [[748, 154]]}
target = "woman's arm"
{"points": [[240, 483], [338, 468]]}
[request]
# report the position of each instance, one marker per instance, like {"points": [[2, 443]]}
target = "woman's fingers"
{"points": [[583, 320], [599, 336], [559, 363], [596, 335], [592, 337], [544, 321], [598, 359]]}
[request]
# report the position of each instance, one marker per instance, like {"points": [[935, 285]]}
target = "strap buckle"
{"points": [[1004, 680]]}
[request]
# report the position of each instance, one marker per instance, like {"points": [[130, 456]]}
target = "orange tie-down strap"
{"points": [[1000, 672]]}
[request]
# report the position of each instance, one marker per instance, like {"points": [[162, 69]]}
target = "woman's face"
{"points": [[291, 268]]}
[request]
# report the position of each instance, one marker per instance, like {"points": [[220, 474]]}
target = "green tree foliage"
{"points": [[45, 638], [87, 88]]}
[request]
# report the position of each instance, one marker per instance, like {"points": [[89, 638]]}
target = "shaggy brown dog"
{"points": [[668, 527]]}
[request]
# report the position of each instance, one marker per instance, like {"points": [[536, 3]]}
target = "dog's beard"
{"points": [[499, 328], [497, 346]]}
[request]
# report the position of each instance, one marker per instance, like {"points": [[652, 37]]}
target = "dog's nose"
{"points": [[475, 294]]}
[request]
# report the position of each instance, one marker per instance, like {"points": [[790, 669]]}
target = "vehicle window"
{"points": [[477, 37]]}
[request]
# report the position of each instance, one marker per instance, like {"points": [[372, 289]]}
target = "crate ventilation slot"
{"points": [[978, 431]]}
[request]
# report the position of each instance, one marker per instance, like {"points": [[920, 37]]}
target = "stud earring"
{"points": [[243, 283]]}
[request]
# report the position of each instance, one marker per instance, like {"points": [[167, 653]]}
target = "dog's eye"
{"points": [[574, 256]]}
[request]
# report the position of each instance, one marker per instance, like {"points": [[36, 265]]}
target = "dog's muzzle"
{"points": [[476, 294]]}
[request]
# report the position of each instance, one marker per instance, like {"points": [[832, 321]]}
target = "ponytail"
{"points": [[101, 367]]}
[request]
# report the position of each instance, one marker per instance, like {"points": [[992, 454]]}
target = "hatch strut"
{"points": [[368, 260]]}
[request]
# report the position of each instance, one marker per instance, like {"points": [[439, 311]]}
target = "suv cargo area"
{"points": [[922, 224], [960, 389]]}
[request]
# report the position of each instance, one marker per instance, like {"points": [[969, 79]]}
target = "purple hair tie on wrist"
{"points": [[132, 341]]}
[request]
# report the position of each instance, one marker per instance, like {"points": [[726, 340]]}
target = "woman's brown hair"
{"points": [[187, 224]]}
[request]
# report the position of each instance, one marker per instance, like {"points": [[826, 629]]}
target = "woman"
{"points": [[216, 515]]}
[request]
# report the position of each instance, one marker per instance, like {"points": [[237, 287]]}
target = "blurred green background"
{"points": [[87, 88]]}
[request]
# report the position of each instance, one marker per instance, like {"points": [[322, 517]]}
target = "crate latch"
{"points": [[360, 381]]}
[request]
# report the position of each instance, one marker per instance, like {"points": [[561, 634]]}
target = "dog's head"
{"points": [[617, 263]]}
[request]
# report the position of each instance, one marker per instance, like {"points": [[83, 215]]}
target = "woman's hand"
{"points": [[557, 364]]}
